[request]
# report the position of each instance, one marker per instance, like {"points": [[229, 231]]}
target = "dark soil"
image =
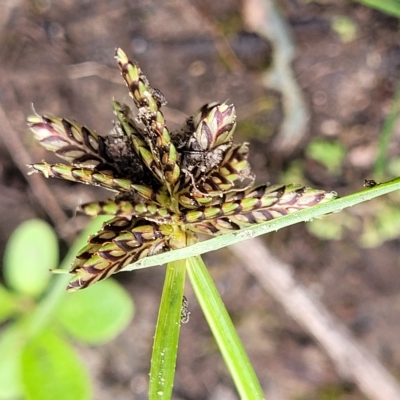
{"points": [[348, 87]]}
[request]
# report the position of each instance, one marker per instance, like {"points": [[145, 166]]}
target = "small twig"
{"points": [[352, 360], [21, 159], [90, 68], [263, 17]]}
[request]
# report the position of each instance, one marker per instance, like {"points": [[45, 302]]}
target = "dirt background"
{"points": [[197, 52]]}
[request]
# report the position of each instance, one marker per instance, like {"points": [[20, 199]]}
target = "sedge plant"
{"points": [[169, 187]]}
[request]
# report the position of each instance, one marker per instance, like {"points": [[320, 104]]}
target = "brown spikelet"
{"points": [[121, 241]]}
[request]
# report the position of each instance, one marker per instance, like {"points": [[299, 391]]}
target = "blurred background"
{"points": [[314, 84]]}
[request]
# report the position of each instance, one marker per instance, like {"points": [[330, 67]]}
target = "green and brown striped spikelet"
{"points": [[254, 205], [120, 242], [149, 101], [150, 211], [74, 143], [83, 175], [207, 162], [169, 186]]}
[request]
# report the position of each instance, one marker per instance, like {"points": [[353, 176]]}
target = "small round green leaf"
{"points": [[31, 252], [52, 370], [97, 314]]}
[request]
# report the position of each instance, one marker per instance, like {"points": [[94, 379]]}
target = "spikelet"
{"points": [[74, 143], [149, 102], [83, 175], [256, 207], [259, 204], [127, 209], [120, 241]]}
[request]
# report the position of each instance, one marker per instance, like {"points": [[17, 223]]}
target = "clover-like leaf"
{"points": [[31, 252], [52, 370], [98, 314]]}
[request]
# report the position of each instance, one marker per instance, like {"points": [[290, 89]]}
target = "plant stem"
{"points": [[166, 338], [224, 332]]}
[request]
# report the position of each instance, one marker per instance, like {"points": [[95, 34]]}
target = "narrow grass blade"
{"points": [[224, 332], [269, 226], [167, 333]]}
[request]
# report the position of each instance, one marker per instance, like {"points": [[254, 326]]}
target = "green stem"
{"points": [[166, 338], [223, 330]]}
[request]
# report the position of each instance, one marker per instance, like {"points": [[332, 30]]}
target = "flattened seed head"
{"points": [[169, 186]]}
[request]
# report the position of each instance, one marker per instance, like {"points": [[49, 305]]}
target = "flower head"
{"points": [[169, 185]]}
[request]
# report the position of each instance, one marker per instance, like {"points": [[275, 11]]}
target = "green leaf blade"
{"points": [[224, 332], [391, 7]]}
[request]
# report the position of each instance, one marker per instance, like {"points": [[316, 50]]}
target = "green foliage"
{"points": [[381, 222], [391, 7], [167, 333], [345, 27], [30, 253], [329, 228], [50, 369], [92, 317], [36, 360], [393, 167], [12, 340], [8, 303], [329, 154]]}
